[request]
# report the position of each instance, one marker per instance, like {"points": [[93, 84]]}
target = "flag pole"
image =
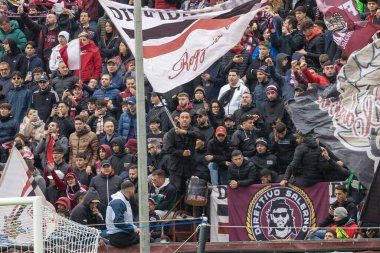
{"points": [[141, 133], [80, 64]]}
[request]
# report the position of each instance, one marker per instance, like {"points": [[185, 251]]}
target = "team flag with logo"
{"points": [[347, 118], [177, 45], [273, 212], [343, 19]]}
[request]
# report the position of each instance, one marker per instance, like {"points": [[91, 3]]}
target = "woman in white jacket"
{"points": [[55, 57]]}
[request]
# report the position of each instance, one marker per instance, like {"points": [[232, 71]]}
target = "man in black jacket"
{"points": [[263, 159], [180, 144], [241, 173], [304, 168]]}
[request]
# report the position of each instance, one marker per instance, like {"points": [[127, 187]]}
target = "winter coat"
{"points": [[55, 58], [315, 44], [120, 216], [13, 57], [164, 196], [176, 144], [9, 127], [32, 130], [265, 161], [29, 64], [107, 140], [259, 94], [125, 122], [111, 94], [216, 119], [98, 163], [245, 175], [244, 110], [91, 62], [245, 141], [201, 169], [93, 121], [234, 103], [288, 43], [82, 213], [251, 73], [228, 64], [304, 166], [21, 99], [221, 151], [352, 212], [105, 186], [207, 131], [43, 101], [270, 111], [70, 190], [158, 112], [120, 161], [110, 49], [60, 83], [83, 142], [16, 34], [42, 146]]}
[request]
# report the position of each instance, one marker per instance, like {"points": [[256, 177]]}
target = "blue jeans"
{"points": [[218, 177], [318, 235]]}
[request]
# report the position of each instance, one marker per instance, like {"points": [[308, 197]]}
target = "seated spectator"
{"points": [[216, 114], [155, 231], [9, 127], [163, 193], [119, 219], [241, 173], [64, 79], [32, 127], [263, 159], [330, 235], [371, 230], [87, 212], [304, 169], [51, 139], [218, 156], [80, 170], [344, 226]]}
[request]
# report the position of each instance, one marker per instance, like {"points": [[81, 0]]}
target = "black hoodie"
{"points": [[13, 57], [120, 161]]}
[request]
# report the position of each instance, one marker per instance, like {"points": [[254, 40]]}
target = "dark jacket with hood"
{"points": [[82, 212], [120, 161], [221, 152], [9, 127], [13, 57], [245, 141], [98, 163], [21, 99], [245, 175], [227, 61], [315, 45], [65, 124], [289, 43], [60, 82], [244, 110], [270, 111], [304, 167], [105, 186]]}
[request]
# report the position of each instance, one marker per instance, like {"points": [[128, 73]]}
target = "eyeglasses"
{"points": [[277, 215], [16, 78]]}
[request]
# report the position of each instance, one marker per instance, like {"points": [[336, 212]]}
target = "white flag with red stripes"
{"points": [[180, 45], [70, 54]]}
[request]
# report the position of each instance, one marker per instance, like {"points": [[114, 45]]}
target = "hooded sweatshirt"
{"points": [[82, 212]]}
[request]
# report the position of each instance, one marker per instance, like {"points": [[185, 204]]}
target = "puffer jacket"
{"points": [[21, 99], [9, 127], [84, 142], [265, 161], [245, 141], [125, 121], [244, 175], [16, 34]]}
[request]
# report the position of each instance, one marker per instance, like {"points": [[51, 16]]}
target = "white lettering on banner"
{"points": [[218, 200]]}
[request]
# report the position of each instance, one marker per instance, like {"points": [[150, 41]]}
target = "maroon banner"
{"points": [[342, 18], [272, 212]]}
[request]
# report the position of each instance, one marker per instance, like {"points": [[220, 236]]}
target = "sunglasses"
{"points": [[42, 82], [277, 215], [220, 135], [16, 78]]}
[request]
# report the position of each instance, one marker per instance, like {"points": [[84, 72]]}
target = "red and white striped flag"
{"points": [[70, 54], [180, 45]]}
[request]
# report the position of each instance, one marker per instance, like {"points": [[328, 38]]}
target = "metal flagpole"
{"points": [[141, 133], [80, 63]]}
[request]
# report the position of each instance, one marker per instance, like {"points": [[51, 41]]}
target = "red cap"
{"points": [[221, 130], [79, 85]]}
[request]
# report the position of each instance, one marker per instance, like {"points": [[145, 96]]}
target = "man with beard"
{"points": [[241, 173], [263, 81], [280, 220], [184, 105], [328, 76], [203, 124], [246, 107], [180, 144], [263, 159]]}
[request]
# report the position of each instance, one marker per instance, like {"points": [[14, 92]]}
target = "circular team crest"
{"points": [[280, 213]]}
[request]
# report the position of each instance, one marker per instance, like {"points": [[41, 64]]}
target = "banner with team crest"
{"points": [[272, 212]]}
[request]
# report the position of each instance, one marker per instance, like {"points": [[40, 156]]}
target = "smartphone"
{"points": [[29, 73]]}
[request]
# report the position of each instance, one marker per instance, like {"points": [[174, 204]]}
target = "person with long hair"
{"points": [[109, 43]]}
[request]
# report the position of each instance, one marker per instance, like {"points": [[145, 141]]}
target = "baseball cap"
{"points": [[221, 130], [230, 117], [105, 162], [131, 100]]}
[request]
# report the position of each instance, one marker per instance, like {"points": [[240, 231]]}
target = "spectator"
{"points": [[30, 60], [44, 99], [212, 80], [9, 127], [12, 54], [130, 89], [163, 193], [216, 114], [268, 176], [64, 79], [109, 43], [263, 81], [32, 79], [32, 127], [104, 153], [326, 78], [112, 68], [330, 235], [257, 63], [199, 99], [124, 57], [155, 132], [181, 147], [83, 141], [231, 93], [371, 16], [19, 97], [201, 169], [120, 160], [158, 112], [238, 59], [263, 159], [60, 114], [91, 59], [51, 138], [55, 57], [157, 158], [109, 132], [76, 99], [9, 29], [246, 108], [184, 105], [87, 212], [203, 124], [80, 170], [241, 173], [5, 77], [127, 127], [314, 43], [304, 169], [52, 192], [230, 125], [107, 92], [97, 120], [218, 156], [84, 26], [119, 220], [244, 138], [58, 163], [106, 184], [345, 227]]}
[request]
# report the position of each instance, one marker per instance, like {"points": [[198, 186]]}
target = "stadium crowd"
{"points": [[79, 135]]}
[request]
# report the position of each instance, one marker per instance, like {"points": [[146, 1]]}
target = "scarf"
{"points": [[227, 96]]}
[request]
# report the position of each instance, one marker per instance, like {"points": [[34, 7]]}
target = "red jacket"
{"points": [[349, 228], [91, 62], [315, 78], [164, 5]]}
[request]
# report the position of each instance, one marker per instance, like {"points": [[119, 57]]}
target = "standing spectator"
{"points": [[241, 173], [244, 138], [112, 68], [97, 120], [109, 44], [203, 124], [238, 58], [9, 127], [127, 127], [216, 114], [106, 184], [44, 99], [120, 160], [9, 29], [12, 54], [184, 105], [157, 158], [180, 145], [51, 139], [84, 26], [60, 114], [109, 132], [5, 77], [212, 80], [124, 58], [246, 107], [30, 60], [199, 98], [32, 79], [263, 81], [371, 16], [19, 97], [155, 132], [257, 63], [90, 60], [231, 93], [64, 79], [158, 112], [110, 94], [55, 57], [83, 141], [263, 160], [300, 8]]}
